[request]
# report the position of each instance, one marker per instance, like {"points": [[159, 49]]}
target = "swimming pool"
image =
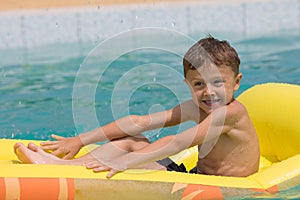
{"points": [[40, 74]]}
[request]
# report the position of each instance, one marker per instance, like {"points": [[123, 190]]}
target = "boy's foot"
{"points": [[34, 154]]}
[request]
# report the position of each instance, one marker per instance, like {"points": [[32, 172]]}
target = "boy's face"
{"points": [[212, 87]]}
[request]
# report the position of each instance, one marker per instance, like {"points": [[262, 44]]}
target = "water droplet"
{"points": [[173, 24], [98, 7], [56, 23], [122, 21], [20, 102], [154, 79], [136, 17], [157, 135]]}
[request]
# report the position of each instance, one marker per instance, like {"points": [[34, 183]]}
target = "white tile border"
{"points": [[28, 29]]}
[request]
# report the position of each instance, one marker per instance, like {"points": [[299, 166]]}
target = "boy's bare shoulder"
{"points": [[231, 116], [237, 119], [236, 110]]}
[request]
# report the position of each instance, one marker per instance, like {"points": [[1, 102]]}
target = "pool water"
{"points": [[36, 98]]}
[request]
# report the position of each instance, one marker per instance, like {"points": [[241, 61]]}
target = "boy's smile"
{"points": [[212, 87]]}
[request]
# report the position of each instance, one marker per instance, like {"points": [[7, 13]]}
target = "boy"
{"points": [[226, 139]]}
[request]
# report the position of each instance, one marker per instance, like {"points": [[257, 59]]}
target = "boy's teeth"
{"points": [[210, 101]]}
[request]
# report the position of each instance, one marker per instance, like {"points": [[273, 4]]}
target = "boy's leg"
{"points": [[122, 146], [110, 150], [115, 148]]}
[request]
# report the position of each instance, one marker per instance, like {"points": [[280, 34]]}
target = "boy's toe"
{"points": [[33, 147], [17, 146]]}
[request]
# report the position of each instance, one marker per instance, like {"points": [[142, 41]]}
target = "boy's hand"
{"points": [[97, 166], [66, 147]]}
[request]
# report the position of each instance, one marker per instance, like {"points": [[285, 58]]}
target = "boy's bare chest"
{"points": [[218, 147]]}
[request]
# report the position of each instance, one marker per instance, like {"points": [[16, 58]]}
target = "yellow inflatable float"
{"points": [[274, 109]]}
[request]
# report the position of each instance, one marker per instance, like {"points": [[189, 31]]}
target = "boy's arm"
{"points": [[210, 128], [131, 125], [134, 125]]}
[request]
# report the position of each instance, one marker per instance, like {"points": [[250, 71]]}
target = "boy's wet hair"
{"points": [[211, 50]]}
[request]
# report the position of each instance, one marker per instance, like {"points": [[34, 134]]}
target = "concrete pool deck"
{"points": [[29, 25], [35, 4]]}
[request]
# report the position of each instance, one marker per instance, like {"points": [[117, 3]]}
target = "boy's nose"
{"points": [[209, 91]]}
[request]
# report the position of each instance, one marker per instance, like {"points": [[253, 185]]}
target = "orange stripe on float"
{"points": [[211, 192], [39, 188], [195, 192], [12, 188], [272, 190], [2, 188], [191, 191], [71, 188]]}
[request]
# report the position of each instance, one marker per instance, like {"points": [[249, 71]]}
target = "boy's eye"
{"points": [[198, 83], [218, 82]]}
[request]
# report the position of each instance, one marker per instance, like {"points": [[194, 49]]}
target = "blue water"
{"points": [[37, 99]]}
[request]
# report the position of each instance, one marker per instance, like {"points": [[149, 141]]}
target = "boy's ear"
{"points": [[187, 82], [238, 79]]}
